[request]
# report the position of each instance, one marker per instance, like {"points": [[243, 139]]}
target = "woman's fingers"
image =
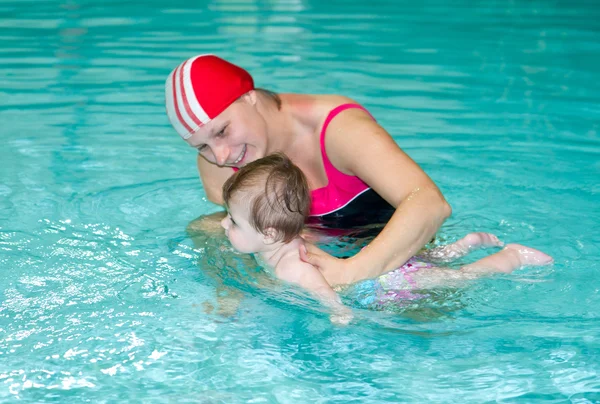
{"points": [[310, 255], [304, 255]]}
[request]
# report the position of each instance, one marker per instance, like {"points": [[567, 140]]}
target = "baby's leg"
{"points": [[512, 257], [462, 247]]}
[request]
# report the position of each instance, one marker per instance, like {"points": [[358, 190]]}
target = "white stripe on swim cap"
{"points": [[183, 109], [188, 121], [196, 108], [172, 109]]}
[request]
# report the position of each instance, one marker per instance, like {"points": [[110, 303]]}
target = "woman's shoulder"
{"points": [[313, 109], [317, 103], [324, 104]]}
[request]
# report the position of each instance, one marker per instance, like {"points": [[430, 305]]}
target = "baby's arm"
{"points": [[292, 269]]}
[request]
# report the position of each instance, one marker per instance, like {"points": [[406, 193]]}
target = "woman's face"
{"points": [[235, 137]]}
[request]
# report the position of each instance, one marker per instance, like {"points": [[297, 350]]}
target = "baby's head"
{"points": [[268, 201]]}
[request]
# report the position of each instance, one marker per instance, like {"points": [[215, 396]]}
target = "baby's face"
{"points": [[239, 231]]}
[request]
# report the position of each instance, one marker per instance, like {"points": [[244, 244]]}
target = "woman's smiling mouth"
{"points": [[241, 156]]}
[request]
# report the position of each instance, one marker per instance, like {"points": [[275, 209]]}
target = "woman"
{"points": [[352, 164]]}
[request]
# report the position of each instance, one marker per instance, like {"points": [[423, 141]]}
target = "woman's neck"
{"points": [[288, 126], [292, 130]]}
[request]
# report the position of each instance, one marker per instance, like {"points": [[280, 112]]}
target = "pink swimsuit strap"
{"points": [[341, 188]]}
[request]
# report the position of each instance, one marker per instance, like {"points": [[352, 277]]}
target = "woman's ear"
{"points": [[250, 97]]}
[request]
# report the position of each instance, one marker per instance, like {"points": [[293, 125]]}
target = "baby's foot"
{"points": [[477, 240], [529, 256]]}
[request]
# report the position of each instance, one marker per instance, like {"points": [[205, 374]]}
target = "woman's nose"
{"points": [[221, 153], [225, 223]]}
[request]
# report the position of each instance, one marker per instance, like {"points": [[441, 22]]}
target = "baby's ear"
{"points": [[270, 235]]}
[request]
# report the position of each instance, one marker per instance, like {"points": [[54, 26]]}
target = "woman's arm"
{"points": [[357, 145], [213, 177]]}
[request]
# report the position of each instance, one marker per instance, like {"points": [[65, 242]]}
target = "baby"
{"points": [[268, 202]]}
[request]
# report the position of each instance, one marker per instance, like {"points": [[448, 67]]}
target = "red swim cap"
{"points": [[201, 88]]}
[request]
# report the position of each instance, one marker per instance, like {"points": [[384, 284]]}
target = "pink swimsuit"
{"points": [[341, 188]]}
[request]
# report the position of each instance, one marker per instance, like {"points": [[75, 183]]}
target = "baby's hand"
{"points": [[342, 316]]}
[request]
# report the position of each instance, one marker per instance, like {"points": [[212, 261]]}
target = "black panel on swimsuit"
{"points": [[366, 215]]}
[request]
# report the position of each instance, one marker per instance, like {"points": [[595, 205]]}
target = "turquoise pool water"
{"points": [[103, 295]]}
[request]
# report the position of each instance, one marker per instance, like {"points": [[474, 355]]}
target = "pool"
{"points": [[104, 297]]}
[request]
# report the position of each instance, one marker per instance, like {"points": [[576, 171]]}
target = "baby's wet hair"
{"points": [[278, 195]]}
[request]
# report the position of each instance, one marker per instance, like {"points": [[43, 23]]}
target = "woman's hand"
{"points": [[210, 223], [336, 271]]}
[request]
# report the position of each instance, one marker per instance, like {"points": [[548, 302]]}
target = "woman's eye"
{"points": [[201, 148], [221, 133]]}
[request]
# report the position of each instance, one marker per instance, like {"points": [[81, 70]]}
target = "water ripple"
{"points": [[104, 293]]}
